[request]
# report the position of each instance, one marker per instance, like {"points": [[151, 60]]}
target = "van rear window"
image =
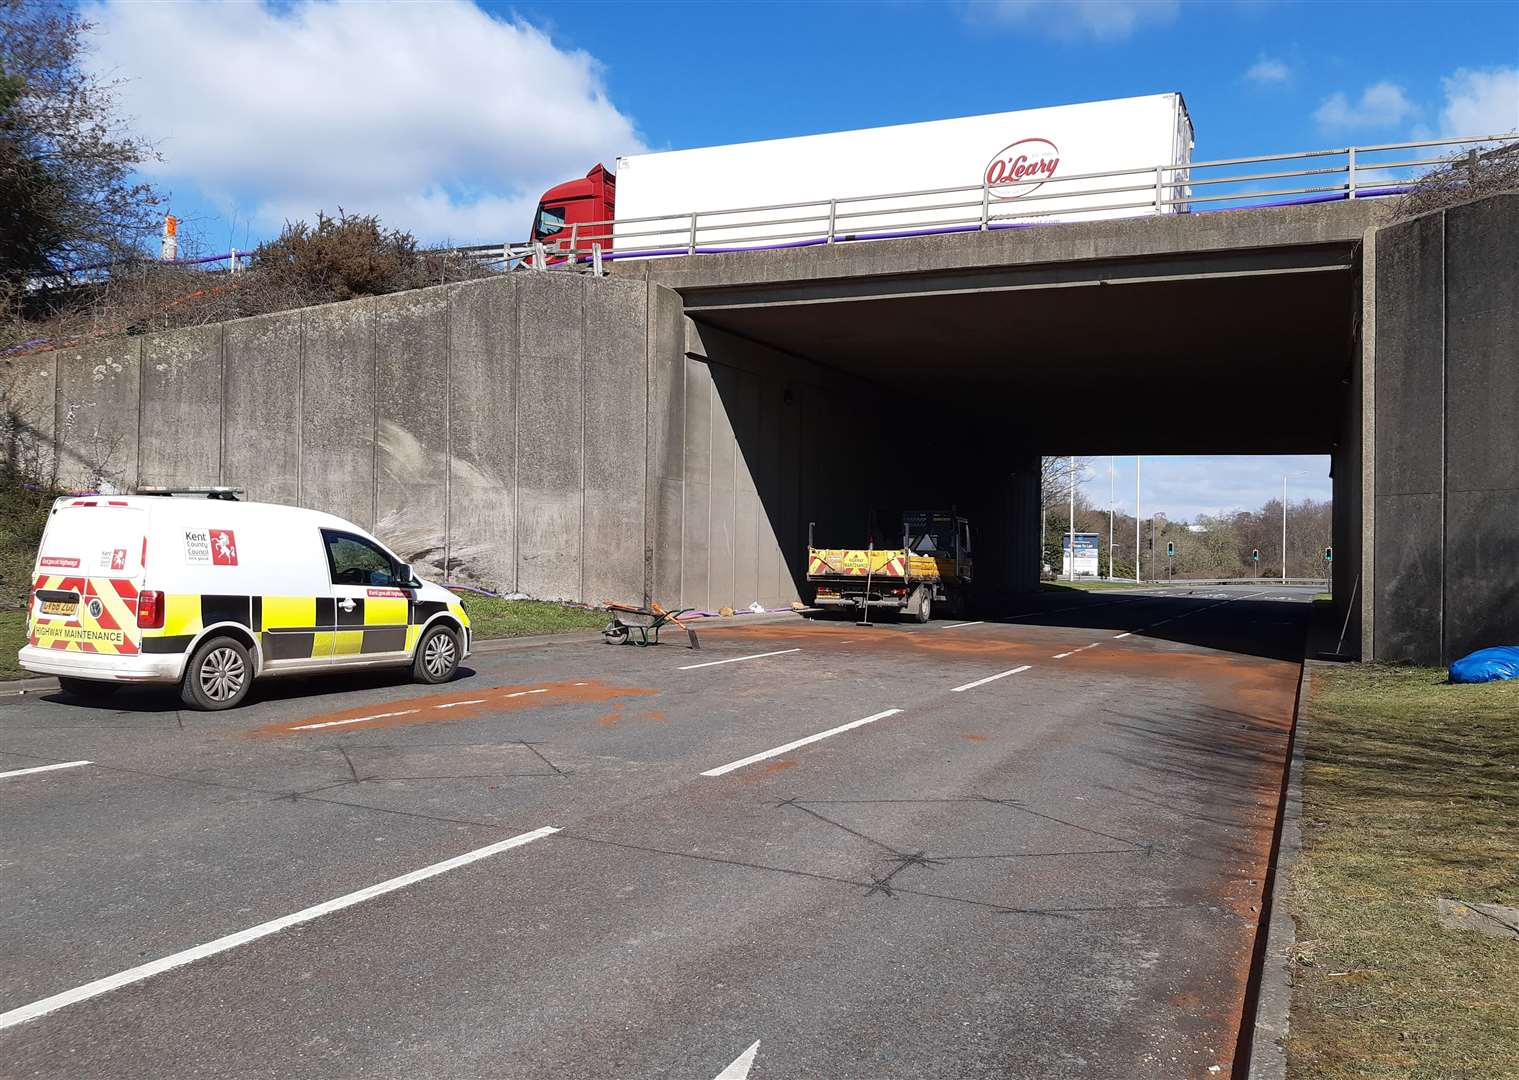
{"points": [[93, 541]]}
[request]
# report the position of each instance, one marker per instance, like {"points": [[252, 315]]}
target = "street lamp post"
{"points": [[1112, 498], [1284, 522], [1136, 519], [1284, 530], [1072, 533]]}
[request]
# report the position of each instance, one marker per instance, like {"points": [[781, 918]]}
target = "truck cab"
{"points": [[577, 213]]}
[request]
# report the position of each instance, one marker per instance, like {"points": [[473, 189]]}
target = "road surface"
{"points": [[1030, 846]]}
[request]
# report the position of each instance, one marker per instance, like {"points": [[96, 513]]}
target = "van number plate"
{"points": [[54, 607]]}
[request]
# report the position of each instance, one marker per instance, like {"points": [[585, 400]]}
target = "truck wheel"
{"points": [[88, 689], [218, 675], [437, 657], [925, 608]]}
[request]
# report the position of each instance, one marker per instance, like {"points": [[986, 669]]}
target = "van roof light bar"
{"points": [[219, 491]]}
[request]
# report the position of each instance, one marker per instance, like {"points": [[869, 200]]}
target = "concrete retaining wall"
{"points": [[767, 443], [492, 432], [1446, 506]]}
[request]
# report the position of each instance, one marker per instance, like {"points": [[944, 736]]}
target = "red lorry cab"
{"points": [[567, 210]]}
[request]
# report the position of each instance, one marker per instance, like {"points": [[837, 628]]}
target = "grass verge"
{"points": [[23, 516], [1410, 792], [1086, 586], [493, 618]]}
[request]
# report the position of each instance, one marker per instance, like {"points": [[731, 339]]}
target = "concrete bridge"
{"points": [[671, 430]]}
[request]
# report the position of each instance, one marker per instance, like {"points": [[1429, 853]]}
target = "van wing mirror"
{"points": [[405, 578]]}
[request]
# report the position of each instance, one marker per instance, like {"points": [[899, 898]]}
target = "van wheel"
{"points": [[218, 676], [437, 656], [89, 689]]}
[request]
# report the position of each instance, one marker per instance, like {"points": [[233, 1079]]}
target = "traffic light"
{"points": [[1170, 549], [1255, 554], [1329, 554]]}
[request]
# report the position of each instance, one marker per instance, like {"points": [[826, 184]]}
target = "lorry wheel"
{"points": [[437, 656], [925, 609], [89, 689], [218, 675]]}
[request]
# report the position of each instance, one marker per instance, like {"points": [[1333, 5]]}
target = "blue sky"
{"points": [[450, 118]]}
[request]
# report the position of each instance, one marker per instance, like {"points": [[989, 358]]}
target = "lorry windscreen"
{"points": [[550, 221]]}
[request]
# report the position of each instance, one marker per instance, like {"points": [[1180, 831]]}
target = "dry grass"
{"points": [[1411, 792]]}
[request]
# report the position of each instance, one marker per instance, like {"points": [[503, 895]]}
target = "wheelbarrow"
{"points": [[641, 626]]}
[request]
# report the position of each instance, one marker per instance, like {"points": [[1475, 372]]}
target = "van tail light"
{"points": [[150, 609]]}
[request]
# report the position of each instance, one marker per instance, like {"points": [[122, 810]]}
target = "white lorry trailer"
{"points": [[1026, 166]]}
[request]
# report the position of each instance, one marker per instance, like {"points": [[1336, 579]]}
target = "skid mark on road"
{"points": [[456, 706]]}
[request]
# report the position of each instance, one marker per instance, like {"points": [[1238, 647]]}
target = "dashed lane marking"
{"points": [[519, 693], [989, 678], [736, 659], [788, 747], [243, 937], [962, 625], [44, 768], [354, 720]]}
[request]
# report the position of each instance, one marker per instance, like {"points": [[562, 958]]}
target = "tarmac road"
{"points": [[1024, 847]]}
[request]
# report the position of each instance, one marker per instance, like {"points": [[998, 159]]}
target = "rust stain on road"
{"points": [[456, 705], [610, 718]]}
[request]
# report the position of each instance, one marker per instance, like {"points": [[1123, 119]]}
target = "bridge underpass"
{"points": [[942, 366]]}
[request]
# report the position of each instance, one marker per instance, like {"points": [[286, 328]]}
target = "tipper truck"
{"points": [[933, 565], [1033, 164]]}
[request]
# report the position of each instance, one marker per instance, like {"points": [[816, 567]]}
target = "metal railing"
{"points": [[1297, 178]]}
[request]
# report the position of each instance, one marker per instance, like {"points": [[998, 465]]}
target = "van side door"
{"points": [[294, 610], [372, 605]]}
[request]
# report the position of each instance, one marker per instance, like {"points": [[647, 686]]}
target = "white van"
{"points": [[212, 593]]}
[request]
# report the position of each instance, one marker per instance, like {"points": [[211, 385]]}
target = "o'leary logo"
{"points": [[1020, 168]]}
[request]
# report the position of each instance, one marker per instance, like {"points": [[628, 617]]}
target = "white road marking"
{"points": [[525, 693], [45, 768], [355, 720], [456, 704], [1123, 635], [243, 937], [736, 659], [739, 1070], [989, 678], [778, 750], [958, 625], [1060, 656]]}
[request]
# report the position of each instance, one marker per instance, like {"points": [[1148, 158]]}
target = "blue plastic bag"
{"points": [[1487, 665]]}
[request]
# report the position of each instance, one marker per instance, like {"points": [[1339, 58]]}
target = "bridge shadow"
{"points": [[1205, 618]]}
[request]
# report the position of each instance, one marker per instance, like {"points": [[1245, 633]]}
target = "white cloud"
{"points": [[1268, 71], [1105, 20], [439, 117], [1481, 102], [1381, 105], [1183, 487]]}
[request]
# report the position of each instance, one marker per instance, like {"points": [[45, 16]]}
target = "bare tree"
{"points": [[1479, 173], [67, 193], [1055, 482]]}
